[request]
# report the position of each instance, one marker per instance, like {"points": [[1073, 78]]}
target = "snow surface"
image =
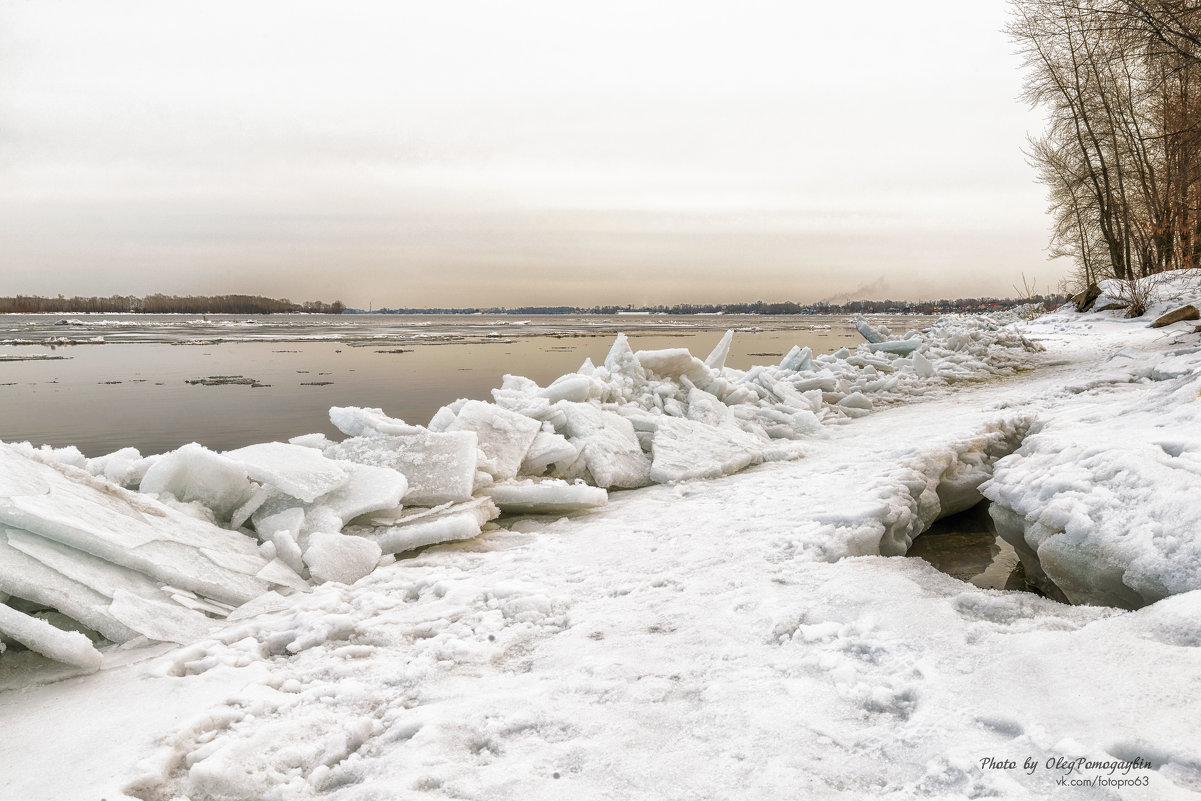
{"points": [[743, 636]]}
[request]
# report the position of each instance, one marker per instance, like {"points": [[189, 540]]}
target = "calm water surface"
{"points": [[967, 547], [103, 382]]}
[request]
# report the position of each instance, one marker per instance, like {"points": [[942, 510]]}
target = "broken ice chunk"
{"points": [[447, 523], [446, 415], [572, 387], [684, 449], [125, 467], [621, 360], [798, 359], [504, 437], [267, 521], [547, 448], [336, 557], [707, 409], [675, 363], [194, 473], [856, 400], [243, 513], [280, 573], [318, 441], [319, 518], [869, 333], [287, 548], [922, 366], [301, 472], [901, 347], [439, 467], [716, 359], [354, 421], [370, 489], [68, 647], [608, 445], [551, 496]]}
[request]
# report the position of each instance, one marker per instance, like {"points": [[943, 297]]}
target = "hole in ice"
{"points": [[1173, 449], [967, 547]]}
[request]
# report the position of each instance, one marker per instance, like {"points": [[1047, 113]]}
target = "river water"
{"points": [[107, 381]]}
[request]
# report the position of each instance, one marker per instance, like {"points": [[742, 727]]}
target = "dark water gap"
{"points": [[967, 547]]}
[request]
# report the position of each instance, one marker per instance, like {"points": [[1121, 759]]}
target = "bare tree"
{"points": [[1121, 82]]}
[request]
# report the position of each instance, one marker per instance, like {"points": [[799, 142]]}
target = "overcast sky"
{"points": [[500, 153]]}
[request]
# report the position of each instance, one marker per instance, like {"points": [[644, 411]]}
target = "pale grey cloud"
{"points": [[526, 152]]}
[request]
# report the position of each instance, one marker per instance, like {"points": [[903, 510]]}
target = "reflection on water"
{"points": [[284, 373], [967, 547]]}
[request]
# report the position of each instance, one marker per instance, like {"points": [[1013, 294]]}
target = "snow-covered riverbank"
{"points": [[736, 637]]}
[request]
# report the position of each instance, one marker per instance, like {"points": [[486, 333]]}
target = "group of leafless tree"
{"points": [[1120, 81]]}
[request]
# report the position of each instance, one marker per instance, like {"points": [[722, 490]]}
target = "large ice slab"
{"points": [[608, 445], [503, 436], [419, 528], [356, 421], [551, 496], [69, 647], [336, 557], [26, 577], [194, 473], [716, 360], [369, 488], [301, 472], [684, 449], [547, 448], [439, 466], [126, 528], [675, 363], [1102, 514]]}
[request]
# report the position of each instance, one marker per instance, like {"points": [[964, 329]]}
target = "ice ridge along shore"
{"points": [[737, 636], [207, 532]]}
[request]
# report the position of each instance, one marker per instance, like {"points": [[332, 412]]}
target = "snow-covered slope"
{"points": [[1103, 502]]}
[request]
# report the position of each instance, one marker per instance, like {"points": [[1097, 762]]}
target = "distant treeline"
{"points": [[165, 304], [760, 307]]}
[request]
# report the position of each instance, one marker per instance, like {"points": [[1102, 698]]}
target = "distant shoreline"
{"points": [[246, 304], [164, 304]]}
